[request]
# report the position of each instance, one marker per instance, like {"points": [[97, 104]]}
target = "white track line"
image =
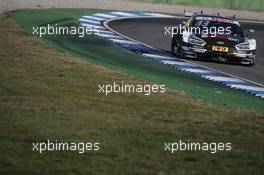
{"points": [[95, 18], [123, 14], [90, 21], [223, 79], [105, 15], [124, 41], [109, 36]]}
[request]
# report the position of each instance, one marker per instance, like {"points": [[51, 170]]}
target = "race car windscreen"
{"points": [[219, 26]]}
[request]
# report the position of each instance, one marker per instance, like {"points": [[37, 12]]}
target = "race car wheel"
{"points": [[176, 47], [252, 62], [180, 52], [173, 44]]}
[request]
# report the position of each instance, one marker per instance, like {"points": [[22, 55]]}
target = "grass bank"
{"points": [[47, 94], [100, 51]]}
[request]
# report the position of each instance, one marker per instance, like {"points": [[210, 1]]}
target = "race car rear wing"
{"points": [[190, 14]]}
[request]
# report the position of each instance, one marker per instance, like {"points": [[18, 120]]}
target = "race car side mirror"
{"points": [[251, 31]]}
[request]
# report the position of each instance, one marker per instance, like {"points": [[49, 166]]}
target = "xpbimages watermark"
{"points": [[203, 30], [79, 147], [212, 147], [146, 89], [63, 30]]}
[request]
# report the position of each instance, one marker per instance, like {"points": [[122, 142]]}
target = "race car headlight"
{"points": [[243, 46], [196, 41]]}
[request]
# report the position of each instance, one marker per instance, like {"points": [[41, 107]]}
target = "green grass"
{"points": [[102, 52], [47, 94], [253, 5]]}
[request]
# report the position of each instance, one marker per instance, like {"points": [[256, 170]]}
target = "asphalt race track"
{"points": [[151, 32]]}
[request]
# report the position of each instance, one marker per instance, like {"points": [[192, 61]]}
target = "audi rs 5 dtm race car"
{"points": [[215, 38]]}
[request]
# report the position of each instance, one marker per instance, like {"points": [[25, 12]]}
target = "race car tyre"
{"points": [[252, 63], [176, 47], [173, 45]]}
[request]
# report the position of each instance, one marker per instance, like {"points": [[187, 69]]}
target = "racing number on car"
{"points": [[202, 23]]}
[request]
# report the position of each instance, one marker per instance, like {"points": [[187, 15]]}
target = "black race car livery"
{"points": [[214, 37]]}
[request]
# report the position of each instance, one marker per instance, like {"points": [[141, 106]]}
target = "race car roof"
{"points": [[216, 18]]}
